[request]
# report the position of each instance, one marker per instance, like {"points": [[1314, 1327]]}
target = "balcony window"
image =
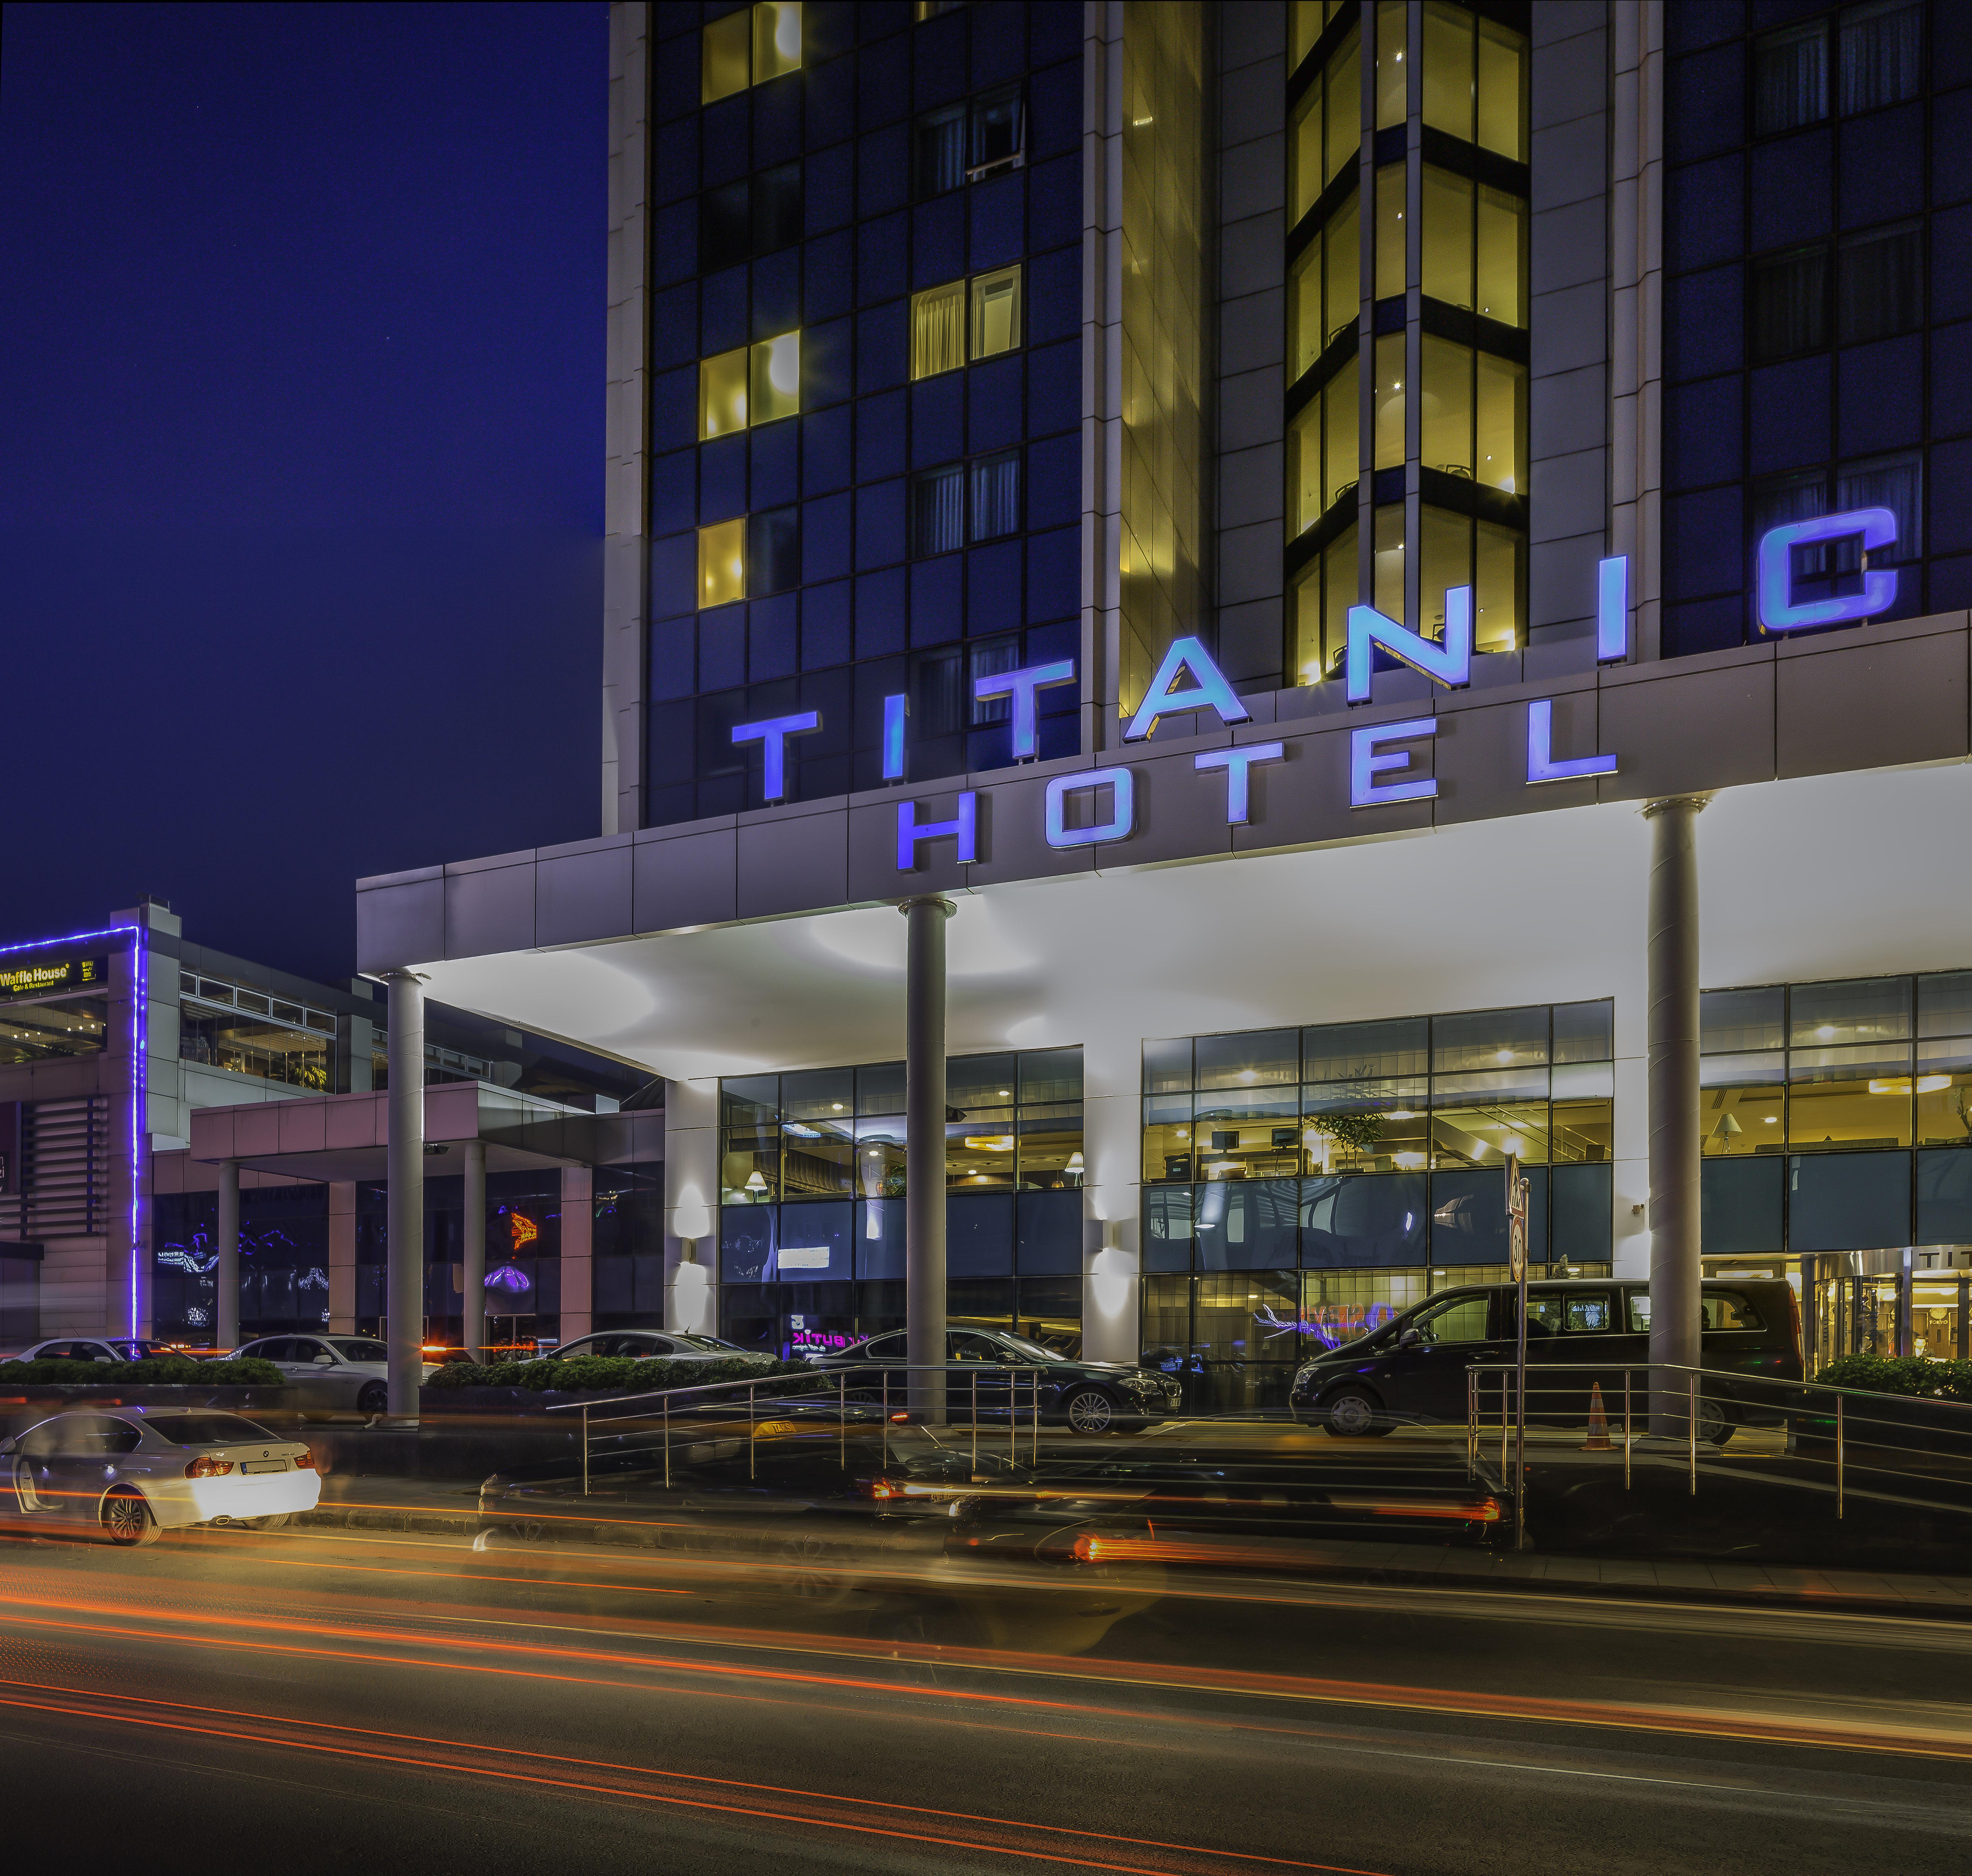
{"points": [[1327, 128], [1324, 288], [1475, 80]]}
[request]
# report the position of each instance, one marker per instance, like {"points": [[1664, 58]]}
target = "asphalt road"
{"points": [[327, 1699]]}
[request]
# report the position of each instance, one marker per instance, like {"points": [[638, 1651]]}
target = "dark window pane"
{"points": [[939, 707], [1879, 284], [1877, 60], [1789, 303], [773, 551], [938, 511], [996, 128], [724, 235], [1896, 482], [1364, 1218], [1790, 78], [1739, 1205], [940, 151], [996, 496], [1849, 1201], [988, 660], [777, 204]]}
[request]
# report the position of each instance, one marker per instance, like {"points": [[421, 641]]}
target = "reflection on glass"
{"points": [[1489, 1039], [1944, 1004], [1733, 1021], [1849, 1096], [1863, 1010], [777, 38], [722, 564], [1585, 1032], [722, 394], [1339, 1051], [1390, 230], [1390, 407], [1167, 1065], [818, 1158], [776, 378], [1260, 1057], [980, 1081]]}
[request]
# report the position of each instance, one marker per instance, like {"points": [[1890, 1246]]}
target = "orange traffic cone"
{"points": [[1598, 1423]]}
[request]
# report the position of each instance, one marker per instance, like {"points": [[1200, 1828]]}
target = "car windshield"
{"points": [[707, 1344], [206, 1430], [138, 1351], [1032, 1350], [359, 1348]]}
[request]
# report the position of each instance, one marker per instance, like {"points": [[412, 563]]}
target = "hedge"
{"points": [[170, 1371], [1914, 1375], [624, 1375]]}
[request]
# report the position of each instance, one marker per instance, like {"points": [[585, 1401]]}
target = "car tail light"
{"points": [[304, 1462], [1085, 1549], [882, 1488], [208, 1469]]}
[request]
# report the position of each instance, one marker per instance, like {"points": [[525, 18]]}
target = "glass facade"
{"points": [[1837, 1116], [866, 369], [250, 1032], [811, 1187], [1817, 317], [43, 1029], [1407, 312]]}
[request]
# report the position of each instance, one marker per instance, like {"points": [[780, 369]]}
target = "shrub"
{"points": [[174, 1371], [1914, 1375], [623, 1374]]}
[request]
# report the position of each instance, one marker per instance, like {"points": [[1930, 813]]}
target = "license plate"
{"points": [[264, 1465]]}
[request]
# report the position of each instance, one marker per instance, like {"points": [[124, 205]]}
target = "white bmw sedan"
{"points": [[139, 1472], [350, 1373]]}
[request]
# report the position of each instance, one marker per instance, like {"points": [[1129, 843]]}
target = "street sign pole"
{"points": [[1517, 1256]]}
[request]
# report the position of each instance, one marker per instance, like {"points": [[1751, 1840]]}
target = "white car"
{"points": [[349, 1373], [140, 1471], [645, 1344], [91, 1348]]}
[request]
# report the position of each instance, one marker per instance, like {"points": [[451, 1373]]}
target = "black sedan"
{"points": [[1010, 1376]]}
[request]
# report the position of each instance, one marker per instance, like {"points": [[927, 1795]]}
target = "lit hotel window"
{"points": [[938, 322], [722, 564], [749, 47], [752, 384]]}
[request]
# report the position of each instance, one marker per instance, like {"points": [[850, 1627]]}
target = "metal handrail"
{"points": [[753, 1384], [1797, 1390]]}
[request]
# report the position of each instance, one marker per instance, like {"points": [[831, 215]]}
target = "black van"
{"points": [[1412, 1369]]}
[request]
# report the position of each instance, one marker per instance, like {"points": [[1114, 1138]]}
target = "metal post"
{"points": [[1626, 1430], [1840, 1481], [1691, 1424], [1517, 1226], [1505, 1428], [1962, 1351], [667, 1442], [975, 1417], [472, 1278], [924, 1155], [1471, 1424], [1905, 1344], [1034, 1444], [404, 1246], [585, 1449], [842, 1414], [226, 1270], [1672, 1037], [887, 1419], [751, 1397]]}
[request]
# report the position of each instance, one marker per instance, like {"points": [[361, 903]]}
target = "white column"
{"points": [[226, 1263], [472, 1273], [1112, 1205], [578, 1221], [924, 1153], [404, 1329], [691, 1196]]}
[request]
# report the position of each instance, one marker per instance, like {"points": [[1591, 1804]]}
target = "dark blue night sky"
{"points": [[301, 454]]}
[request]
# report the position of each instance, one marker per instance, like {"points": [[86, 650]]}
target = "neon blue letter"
{"points": [[911, 830], [1123, 813], [895, 710], [1541, 764], [1878, 527], [1238, 764], [1021, 685], [1366, 762], [1612, 610], [1209, 691], [772, 734], [1450, 664]]}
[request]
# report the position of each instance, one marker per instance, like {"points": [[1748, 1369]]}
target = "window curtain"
{"points": [[1879, 286], [1878, 55], [1893, 482], [1790, 79], [939, 523], [938, 331], [996, 497]]}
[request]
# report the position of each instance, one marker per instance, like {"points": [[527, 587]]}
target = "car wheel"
{"points": [[23, 1488], [1713, 1426], [271, 1520], [806, 1573], [127, 1517], [1090, 1411], [375, 1398], [1350, 1414]]}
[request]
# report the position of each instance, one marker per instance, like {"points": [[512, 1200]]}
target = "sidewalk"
{"points": [[448, 1508]]}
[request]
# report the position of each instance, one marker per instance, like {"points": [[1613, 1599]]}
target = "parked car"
{"points": [[645, 1344], [1086, 1396], [141, 1471], [1412, 1369], [350, 1373], [92, 1348]]}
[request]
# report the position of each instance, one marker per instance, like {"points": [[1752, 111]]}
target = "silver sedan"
{"points": [[345, 1373], [139, 1472]]}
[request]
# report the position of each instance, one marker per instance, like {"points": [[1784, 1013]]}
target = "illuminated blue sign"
{"points": [[1122, 809], [1612, 610], [1779, 612], [772, 734], [895, 710], [1020, 686], [963, 827], [1541, 764], [1450, 663], [1209, 691], [1367, 760], [1238, 764]]}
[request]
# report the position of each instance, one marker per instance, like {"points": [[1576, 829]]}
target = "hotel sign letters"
{"points": [[1386, 764]]}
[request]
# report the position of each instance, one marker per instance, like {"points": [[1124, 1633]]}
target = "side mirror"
{"points": [[324, 1361], [1411, 1338]]}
